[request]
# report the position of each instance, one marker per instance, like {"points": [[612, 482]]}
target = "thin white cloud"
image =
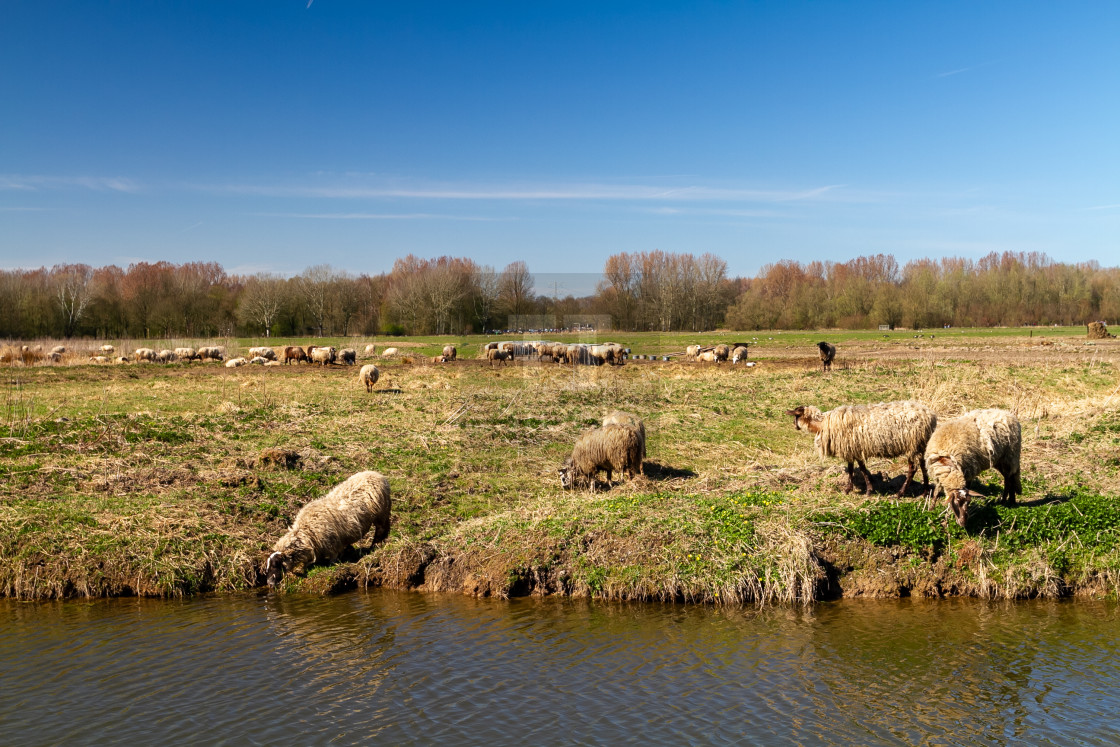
{"points": [[1103, 207], [375, 216], [952, 72], [36, 183], [572, 192]]}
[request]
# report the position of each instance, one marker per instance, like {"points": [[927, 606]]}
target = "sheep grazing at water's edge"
{"points": [[828, 352], [613, 448], [369, 376], [855, 433], [326, 526], [963, 447], [628, 420]]}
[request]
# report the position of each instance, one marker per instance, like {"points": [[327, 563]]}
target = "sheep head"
{"points": [[959, 500], [805, 417], [275, 568], [566, 477]]}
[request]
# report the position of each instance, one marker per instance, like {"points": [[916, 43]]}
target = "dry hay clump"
{"points": [[1098, 331]]}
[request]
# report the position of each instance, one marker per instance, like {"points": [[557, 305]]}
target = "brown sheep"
{"points": [[501, 356], [614, 448], [294, 353]]}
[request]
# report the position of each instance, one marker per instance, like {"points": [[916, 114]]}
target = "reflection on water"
{"points": [[400, 668]]}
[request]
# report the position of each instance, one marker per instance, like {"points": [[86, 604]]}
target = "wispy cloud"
{"points": [[376, 216], [35, 183], [566, 192], [952, 72]]}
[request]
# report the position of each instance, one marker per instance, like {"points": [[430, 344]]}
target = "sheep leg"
{"points": [[866, 476], [925, 474], [909, 476], [851, 482]]}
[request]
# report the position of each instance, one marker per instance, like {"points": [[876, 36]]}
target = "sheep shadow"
{"points": [[658, 471], [387, 391], [983, 516]]}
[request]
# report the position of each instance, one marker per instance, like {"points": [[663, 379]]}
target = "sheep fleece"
{"points": [[886, 429], [974, 442], [326, 526]]}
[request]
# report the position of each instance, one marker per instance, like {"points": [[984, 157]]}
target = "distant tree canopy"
{"points": [[639, 291]]}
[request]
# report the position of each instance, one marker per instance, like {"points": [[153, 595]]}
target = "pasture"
{"points": [[165, 479]]}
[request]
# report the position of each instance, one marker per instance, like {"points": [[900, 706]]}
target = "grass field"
{"points": [[148, 479]]}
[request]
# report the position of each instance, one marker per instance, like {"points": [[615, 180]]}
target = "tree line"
{"points": [[643, 291]]}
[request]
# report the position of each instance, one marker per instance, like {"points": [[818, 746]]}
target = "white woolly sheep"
{"points": [[828, 352], [348, 356], [484, 351], [323, 355], [235, 362], [166, 356], [614, 448], [707, 356], [144, 354], [855, 433], [263, 352], [211, 354], [258, 360], [722, 352], [58, 350], [121, 359], [106, 349], [739, 354], [692, 351], [98, 359], [963, 447], [389, 352], [369, 376], [449, 352], [370, 349], [627, 420], [186, 354], [326, 526]]}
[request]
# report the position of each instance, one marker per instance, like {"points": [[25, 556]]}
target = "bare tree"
{"points": [[516, 288], [314, 287], [73, 291], [261, 301]]}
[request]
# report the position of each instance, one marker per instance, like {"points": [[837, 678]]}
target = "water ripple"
{"points": [[407, 668]]}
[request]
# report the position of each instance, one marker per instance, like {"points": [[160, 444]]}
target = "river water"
{"points": [[388, 667]]}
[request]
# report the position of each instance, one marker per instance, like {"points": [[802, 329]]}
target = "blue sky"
{"points": [[275, 135]]}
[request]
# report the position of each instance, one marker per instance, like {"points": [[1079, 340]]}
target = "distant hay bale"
{"points": [[1099, 331]]}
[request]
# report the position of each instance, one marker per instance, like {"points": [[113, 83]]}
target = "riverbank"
{"points": [[156, 480]]}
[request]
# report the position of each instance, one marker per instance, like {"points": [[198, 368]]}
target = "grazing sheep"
{"points": [[326, 526], [389, 352], [369, 376], [186, 354], [211, 354], [692, 351], [263, 352], [707, 356], [614, 448], [121, 359], [855, 433], [258, 360], [722, 352], [963, 447], [144, 354], [628, 420], [449, 352], [293, 353], [106, 349], [348, 356], [739, 354], [370, 349], [828, 352], [501, 356], [235, 362], [98, 359], [323, 356], [166, 356], [58, 350], [484, 351]]}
